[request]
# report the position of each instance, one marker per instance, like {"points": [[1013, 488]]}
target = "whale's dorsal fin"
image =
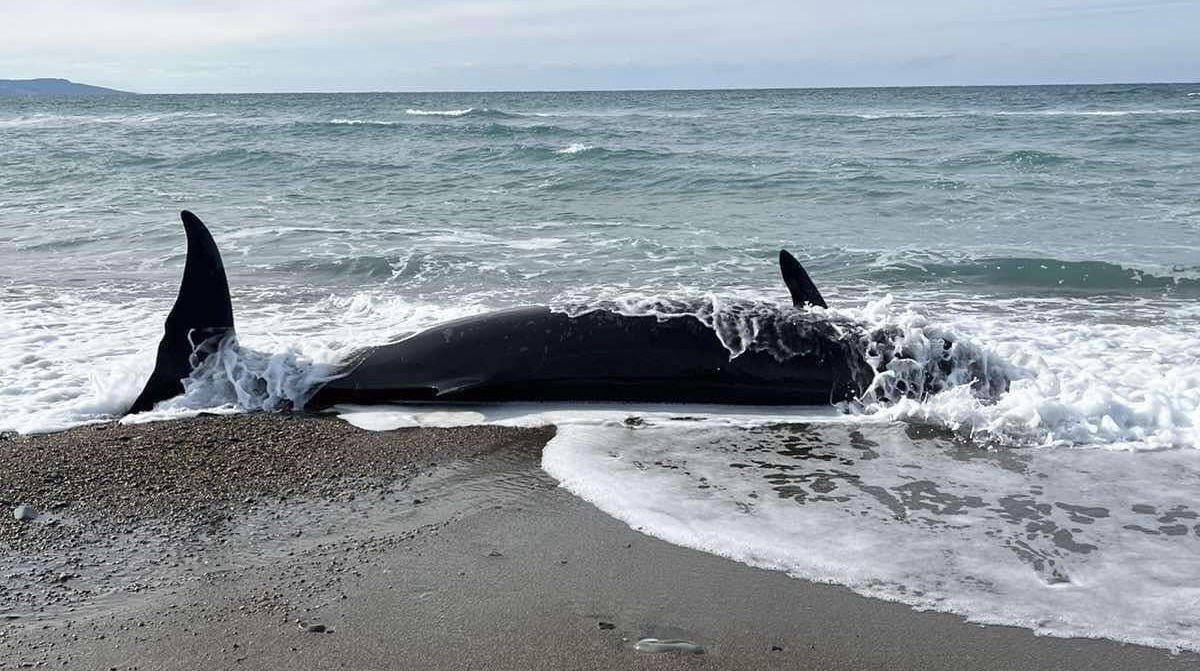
{"points": [[803, 291], [202, 312]]}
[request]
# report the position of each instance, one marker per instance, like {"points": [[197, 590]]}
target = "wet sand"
{"points": [[214, 543]]}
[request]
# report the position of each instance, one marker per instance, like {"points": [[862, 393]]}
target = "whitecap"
{"points": [[574, 148], [360, 122], [446, 113], [535, 244]]}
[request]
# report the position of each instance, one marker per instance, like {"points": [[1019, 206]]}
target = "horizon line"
{"points": [[666, 89]]}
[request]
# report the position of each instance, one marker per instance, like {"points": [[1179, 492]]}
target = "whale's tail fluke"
{"points": [[201, 317], [799, 284]]}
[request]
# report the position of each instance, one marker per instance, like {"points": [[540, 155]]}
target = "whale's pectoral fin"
{"points": [[457, 386], [202, 315], [803, 291]]}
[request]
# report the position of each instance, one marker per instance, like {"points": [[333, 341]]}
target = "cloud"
{"points": [[226, 45], [109, 26]]}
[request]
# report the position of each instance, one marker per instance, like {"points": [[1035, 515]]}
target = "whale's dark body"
{"points": [[536, 354]]}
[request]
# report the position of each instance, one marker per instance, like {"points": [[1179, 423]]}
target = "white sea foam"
{"points": [[574, 148], [534, 244], [238, 379], [145, 118], [1111, 381], [388, 417], [448, 113], [69, 359], [1105, 380], [1034, 538], [1108, 380], [77, 357], [360, 122], [1040, 538]]}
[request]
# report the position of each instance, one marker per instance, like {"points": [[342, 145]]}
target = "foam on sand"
{"points": [[1062, 541], [1034, 538]]}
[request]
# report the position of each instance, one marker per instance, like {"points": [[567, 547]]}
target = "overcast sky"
{"points": [[380, 45]]}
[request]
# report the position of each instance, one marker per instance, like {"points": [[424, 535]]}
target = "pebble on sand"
{"points": [[24, 513]]}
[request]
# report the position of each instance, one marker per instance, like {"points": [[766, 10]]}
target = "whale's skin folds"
{"points": [[536, 354]]}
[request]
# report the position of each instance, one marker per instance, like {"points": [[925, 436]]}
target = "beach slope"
{"points": [[284, 542]]}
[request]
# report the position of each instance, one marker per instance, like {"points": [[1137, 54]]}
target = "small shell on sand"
{"points": [[654, 645]]}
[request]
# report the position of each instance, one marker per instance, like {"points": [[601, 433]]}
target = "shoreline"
{"points": [[210, 542]]}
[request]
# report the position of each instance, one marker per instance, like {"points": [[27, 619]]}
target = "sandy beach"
{"points": [[301, 542]]}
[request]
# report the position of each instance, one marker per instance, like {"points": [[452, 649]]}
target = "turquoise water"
{"points": [[1052, 233]]}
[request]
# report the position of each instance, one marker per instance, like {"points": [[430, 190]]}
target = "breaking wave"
{"points": [[361, 122], [909, 359], [238, 379], [574, 148], [483, 112], [1073, 385]]}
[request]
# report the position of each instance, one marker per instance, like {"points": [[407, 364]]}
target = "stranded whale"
{"points": [[795, 356]]}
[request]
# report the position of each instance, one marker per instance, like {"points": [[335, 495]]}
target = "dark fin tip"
{"points": [[799, 284]]}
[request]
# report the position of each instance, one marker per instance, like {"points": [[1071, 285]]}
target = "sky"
{"points": [[177, 46]]}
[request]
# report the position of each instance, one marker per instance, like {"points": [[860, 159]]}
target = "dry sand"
{"points": [[211, 543]]}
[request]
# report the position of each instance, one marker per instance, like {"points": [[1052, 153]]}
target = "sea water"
{"points": [[1053, 231]]}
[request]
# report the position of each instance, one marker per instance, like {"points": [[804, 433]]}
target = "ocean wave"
{"points": [[235, 156], [1034, 272], [367, 267], [484, 112], [881, 115], [361, 122], [593, 152], [1100, 113], [1117, 385], [574, 148], [447, 113], [893, 115], [901, 115], [411, 268], [1020, 159], [518, 146], [1032, 158], [139, 119], [469, 112]]}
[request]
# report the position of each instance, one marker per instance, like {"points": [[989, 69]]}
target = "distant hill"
{"points": [[52, 87]]}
